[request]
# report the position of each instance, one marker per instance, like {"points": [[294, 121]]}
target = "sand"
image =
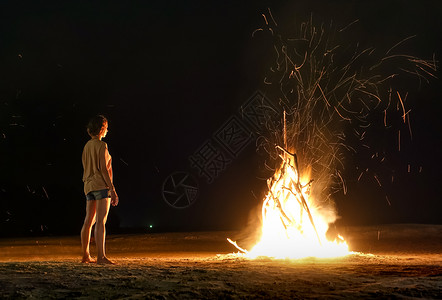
{"points": [[398, 261]]}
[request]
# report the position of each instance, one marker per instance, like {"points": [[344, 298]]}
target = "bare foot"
{"points": [[87, 260], [105, 261]]}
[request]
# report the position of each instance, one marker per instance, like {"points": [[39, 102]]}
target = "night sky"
{"points": [[169, 75]]}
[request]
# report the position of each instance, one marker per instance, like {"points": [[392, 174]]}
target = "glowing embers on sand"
{"points": [[292, 226]]}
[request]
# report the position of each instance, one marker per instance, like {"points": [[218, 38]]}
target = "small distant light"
{"points": [[150, 226]]}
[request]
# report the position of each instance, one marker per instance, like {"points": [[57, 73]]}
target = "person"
{"points": [[98, 188]]}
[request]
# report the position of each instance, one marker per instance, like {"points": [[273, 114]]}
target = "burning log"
{"points": [[237, 247]]}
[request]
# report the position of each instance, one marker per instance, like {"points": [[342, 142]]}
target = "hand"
{"points": [[114, 198]]}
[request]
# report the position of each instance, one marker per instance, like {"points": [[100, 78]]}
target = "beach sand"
{"points": [[393, 261]]}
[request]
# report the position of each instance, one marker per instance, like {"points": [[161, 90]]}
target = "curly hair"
{"points": [[95, 125]]}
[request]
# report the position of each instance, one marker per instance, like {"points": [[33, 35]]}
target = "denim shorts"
{"points": [[98, 195]]}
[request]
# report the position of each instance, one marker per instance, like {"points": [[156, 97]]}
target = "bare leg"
{"points": [[100, 230], [89, 221]]}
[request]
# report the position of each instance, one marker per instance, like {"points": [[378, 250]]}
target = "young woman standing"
{"points": [[98, 188]]}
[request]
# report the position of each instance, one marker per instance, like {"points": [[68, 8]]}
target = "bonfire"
{"points": [[333, 97], [292, 227]]}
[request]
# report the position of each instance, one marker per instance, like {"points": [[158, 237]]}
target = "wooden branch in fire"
{"points": [[237, 247], [298, 187]]}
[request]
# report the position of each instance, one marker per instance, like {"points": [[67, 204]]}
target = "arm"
{"points": [[106, 171]]}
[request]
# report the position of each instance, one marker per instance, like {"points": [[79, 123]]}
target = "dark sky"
{"points": [[168, 75]]}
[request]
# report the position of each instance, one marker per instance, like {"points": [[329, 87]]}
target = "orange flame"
{"points": [[292, 226]]}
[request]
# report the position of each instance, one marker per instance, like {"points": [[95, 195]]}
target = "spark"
{"points": [[355, 21], [377, 180], [344, 118], [409, 126], [256, 30], [402, 104], [401, 42], [271, 16], [343, 183], [124, 162], [44, 190], [265, 18]]}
